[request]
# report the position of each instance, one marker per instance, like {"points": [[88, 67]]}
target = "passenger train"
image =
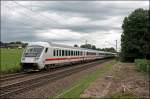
{"points": [[44, 55]]}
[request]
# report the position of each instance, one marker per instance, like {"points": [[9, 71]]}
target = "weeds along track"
{"points": [[21, 86]]}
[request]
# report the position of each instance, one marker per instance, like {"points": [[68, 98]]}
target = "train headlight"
{"points": [[37, 58], [23, 58]]}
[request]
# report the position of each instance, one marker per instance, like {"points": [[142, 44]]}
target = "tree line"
{"points": [[16, 44], [90, 46], [135, 39]]}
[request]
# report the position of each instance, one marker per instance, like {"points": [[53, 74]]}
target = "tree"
{"points": [[89, 46], [93, 47], [18, 42], [135, 39], [75, 45], [111, 49]]}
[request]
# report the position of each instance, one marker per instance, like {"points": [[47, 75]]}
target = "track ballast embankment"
{"points": [[20, 86]]}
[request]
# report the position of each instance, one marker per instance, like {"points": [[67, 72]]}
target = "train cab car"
{"points": [[33, 55]]}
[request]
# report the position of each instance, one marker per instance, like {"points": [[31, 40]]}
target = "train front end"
{"points": [[32, 58]]}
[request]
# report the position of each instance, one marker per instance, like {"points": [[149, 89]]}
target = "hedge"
{"points": [[143, 65]]}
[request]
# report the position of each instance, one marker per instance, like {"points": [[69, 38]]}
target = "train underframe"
{"points": [[35, 67]]}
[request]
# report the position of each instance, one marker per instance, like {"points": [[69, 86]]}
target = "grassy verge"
{"points": [[9, 60], [143, 65], [122, 95], [80, 86]]}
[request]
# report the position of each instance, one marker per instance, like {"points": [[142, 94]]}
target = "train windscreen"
{"points": [[33, 51]]}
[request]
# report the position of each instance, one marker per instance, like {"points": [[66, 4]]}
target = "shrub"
{"points": [[143, 65]]}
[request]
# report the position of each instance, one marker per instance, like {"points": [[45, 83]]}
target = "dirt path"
{"points": [[123, 77]]}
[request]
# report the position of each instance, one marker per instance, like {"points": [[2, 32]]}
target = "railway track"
{"points": [[20, 86], [12, 76], [24, 74]]}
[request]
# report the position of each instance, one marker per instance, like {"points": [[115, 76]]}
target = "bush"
{"points": [[143, 65]]}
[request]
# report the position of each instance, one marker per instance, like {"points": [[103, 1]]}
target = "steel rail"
{"points": [[20, 86]]}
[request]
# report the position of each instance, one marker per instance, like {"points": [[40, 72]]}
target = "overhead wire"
{"points": [[41, 15], [32, 17], [28, 17]]}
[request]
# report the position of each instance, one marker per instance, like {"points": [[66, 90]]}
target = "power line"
{"points": [[31, 11], [115, 45], [37, 26], [34, 12], [28, 17], [110, 43]]}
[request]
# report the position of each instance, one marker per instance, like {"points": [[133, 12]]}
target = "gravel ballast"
{"points": [[52, 89]]}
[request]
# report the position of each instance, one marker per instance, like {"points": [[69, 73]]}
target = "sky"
{"points": [[66, 22]]}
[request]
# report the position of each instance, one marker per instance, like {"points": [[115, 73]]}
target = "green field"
{"points": [[10, 60]]}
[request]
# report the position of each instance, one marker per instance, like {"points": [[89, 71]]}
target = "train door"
{"points": [[43, 60]]}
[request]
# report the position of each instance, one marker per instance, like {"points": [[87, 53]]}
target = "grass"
{"points": [[10, 60], [143, 65], [122, 95], [80, 86]]}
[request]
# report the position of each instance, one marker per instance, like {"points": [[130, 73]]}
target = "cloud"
{"points": [[67, 22], [58, 34]]}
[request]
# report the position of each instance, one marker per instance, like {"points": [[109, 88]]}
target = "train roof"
{"points": [[46, 44]]}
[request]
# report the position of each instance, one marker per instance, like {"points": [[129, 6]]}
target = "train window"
{"points": [[71, 53], [46, 50], [54, 52], [59, 52], [62, 52], [66, 53]]}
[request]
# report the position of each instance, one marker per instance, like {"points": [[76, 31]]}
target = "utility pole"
{"points": [[86, 42], [116, 45]]}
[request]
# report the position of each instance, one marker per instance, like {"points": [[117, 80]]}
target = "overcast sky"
{"points": [[67, 22]]}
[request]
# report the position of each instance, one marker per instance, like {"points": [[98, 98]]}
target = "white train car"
{"points": [[44, 55]]}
